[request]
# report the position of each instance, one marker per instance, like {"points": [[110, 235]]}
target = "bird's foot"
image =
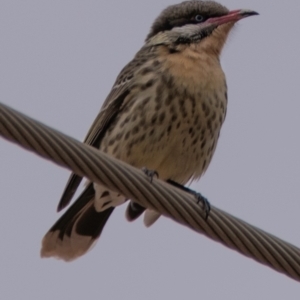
{"points": [[150, 173], [204, 201], [198, 196]]}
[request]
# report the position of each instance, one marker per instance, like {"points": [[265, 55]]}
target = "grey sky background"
{"points": [[58, 61]]}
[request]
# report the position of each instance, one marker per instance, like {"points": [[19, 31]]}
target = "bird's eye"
{"points": [[199, 18]]}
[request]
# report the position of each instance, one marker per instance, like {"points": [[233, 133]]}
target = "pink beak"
{"points": [[232, 16]]}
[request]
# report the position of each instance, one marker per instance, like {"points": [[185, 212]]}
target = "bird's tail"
{"points": [[134, 210], [77, 229]]}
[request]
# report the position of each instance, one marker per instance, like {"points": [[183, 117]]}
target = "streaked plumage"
{"points": [[164, 112]]}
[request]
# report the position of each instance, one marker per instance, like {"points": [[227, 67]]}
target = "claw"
{"points": [[150, 173], [205, 203], [198, 196]]}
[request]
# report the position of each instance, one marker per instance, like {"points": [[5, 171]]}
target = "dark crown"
{"points": [[181, 14]]}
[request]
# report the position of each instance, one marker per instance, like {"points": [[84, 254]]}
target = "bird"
{"points": [[164, 113]]}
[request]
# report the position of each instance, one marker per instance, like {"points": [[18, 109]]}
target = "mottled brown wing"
{"points": [[109, 110]]}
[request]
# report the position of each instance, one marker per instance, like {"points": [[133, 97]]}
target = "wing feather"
{"points": [[110, 108]]}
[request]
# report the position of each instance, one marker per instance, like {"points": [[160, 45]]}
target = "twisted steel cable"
{"points": [[174, 203]]}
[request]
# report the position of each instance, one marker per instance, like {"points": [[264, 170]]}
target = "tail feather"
{"points": [[133, 211], [150, 217], [77, 229]]}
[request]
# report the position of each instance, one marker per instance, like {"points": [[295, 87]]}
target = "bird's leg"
{"points": [[197, 195], [150, 173]]}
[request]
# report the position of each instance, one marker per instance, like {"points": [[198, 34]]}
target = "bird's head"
{"points": [[205, 23]]}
